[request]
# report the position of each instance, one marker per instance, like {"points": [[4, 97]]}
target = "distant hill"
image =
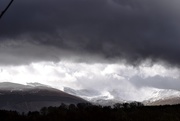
{"points": [[32, 97], [168, 101], [155, 96]]}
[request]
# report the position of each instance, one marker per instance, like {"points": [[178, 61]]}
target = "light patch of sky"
{"points": [[101, 77], [151, 71]]}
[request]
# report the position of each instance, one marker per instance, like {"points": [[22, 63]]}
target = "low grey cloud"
{"points": [[108, 29], [156, 82]]}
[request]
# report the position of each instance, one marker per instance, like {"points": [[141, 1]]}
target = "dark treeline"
{"points": [[88, 112]]}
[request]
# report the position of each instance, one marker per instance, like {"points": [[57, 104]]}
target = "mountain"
{"points": [[163, 97], [32, 97], [167, 101], [94, 96], [153, 96]]}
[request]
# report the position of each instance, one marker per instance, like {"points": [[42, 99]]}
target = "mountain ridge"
{"points": [[155, 97], [34, 96], [24, 98]]}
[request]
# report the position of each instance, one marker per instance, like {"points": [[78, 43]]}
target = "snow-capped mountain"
{"points": [[163, 97], [163, 94], [148, 96], [33, 96], [94, 96], [82, 92]]}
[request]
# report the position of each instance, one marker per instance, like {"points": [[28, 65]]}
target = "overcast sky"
{"points": [[96, 44]]}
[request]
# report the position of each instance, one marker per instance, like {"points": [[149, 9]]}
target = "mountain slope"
{"points": [[151, 96], [168, 101], [95, 97], [32, 97], [163, 97]]}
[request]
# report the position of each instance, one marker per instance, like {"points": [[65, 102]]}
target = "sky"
{"points": [[105, 45]]}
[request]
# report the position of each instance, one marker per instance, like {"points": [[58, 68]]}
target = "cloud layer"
{"points": [[107, 29]]}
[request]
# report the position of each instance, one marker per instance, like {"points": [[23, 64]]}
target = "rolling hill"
{"points": [[32, 97]]}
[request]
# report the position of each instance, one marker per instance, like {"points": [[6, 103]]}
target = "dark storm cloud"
{"points": [[113, 29]]}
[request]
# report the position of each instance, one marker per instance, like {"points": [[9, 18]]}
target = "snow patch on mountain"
{"points": [[91, 95], [110, 97], [11, 87], [36, 84], [94, 96], [154, 94]]}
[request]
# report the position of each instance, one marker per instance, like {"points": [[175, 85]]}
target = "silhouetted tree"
{"points": [[87, 112], [117, 106]]}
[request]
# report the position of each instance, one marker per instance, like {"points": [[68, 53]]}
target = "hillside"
{"points": [[31, 97]]}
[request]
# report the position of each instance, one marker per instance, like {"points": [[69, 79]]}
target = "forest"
{"points": [[134, 111]]}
